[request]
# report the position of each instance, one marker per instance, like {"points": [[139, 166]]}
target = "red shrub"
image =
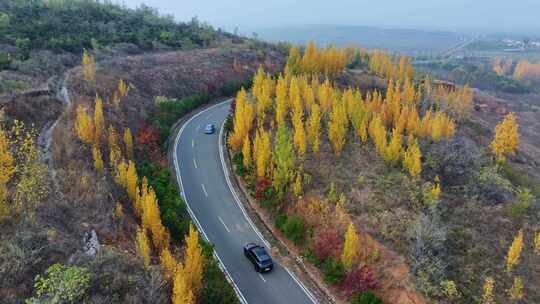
{"points": [[326, 244], [261, 188], [148, 142], [358, 281]]}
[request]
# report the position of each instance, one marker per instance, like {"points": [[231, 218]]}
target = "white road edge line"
{"points": [[262, 278], [237, 200], [222, 222], [222, 266], [204, 190], [195, 163]]}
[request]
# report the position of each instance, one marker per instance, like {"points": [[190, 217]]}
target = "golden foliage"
{"points": [[7, 164], [242, 120], [337, 127], [377, 133], [128, 143], [131, 181], [412, 158], [526, 70], [84, 126], [143, 246], [194, 261], [88, 66], [393, 150], [514, 252], [99, 120], [182, 293], [115, 154], [98, 159], [150, 216], [516, 291], [537, 243], [487, 296], [246, 152], [506, 138], [350, 247], [168, 263], [314, 127]]}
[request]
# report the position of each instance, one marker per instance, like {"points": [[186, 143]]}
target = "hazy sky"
{"points": [[496, 15]]}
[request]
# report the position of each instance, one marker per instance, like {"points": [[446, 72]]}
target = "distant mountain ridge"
{"points": [[409, 41]]}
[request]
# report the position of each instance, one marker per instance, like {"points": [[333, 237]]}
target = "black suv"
{"points": [[259, 257]]}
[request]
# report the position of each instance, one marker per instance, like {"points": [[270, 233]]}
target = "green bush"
{"points": [[521, 204], [173, 210], [169, 111], [333, 271], [5, 61], [367, 297], [71, 25], [293, 227], [61, 284], [216, 289]]}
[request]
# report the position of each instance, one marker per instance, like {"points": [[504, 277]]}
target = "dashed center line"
{"points": [[193, 143], [262, 278], [204, 190], [221, 220], [195, 163]]}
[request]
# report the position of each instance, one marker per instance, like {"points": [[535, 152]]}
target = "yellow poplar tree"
{"points": [[282, 105], [393, 150], [99, 120], [294, 60], [314, 127], [84, 126], [89, 66], [377, 132], [98, 159], [120, 176], [487, 296], [514, 252], [194, 261], [123, 89], [516, 291], [7, 165], [128, 143], [337, 127], [115, 154], [243, 120], [246, 152], [143, 246], [262, 152], [182, 293], [537, 243], [506, 137], [299, 137], [131, 181], [412, 158], [350, 247], [168, 263]]}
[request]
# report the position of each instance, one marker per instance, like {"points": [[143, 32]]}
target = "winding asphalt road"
{"points": [[199, 163]]}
